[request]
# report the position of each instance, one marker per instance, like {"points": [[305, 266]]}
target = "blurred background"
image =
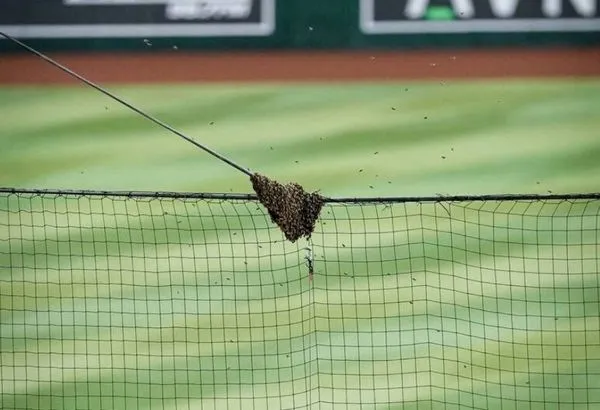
{"points": [[353, 97]]}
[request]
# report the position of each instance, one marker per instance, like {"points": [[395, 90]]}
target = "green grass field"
{"points": [[506, 136], [135, 304]]}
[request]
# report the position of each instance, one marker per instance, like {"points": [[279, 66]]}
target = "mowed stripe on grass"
{"points": [[495, 137]]}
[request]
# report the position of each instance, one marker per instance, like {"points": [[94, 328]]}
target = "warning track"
{"points": [[181, 66]]}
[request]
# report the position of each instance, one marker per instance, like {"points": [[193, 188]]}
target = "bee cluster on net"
{"points": [[294, 210]]}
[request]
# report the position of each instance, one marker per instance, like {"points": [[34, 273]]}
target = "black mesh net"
{"points": [[174, 302]]}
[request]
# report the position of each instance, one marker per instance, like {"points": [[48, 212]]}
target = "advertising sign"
{"points": [[465, 16], [136, 18]]}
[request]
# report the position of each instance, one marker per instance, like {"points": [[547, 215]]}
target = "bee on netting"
{"points": [[309, 264]]}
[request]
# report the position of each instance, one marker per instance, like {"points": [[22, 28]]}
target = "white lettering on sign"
{"points": [[208, 9], [554, 8], [184, 9], [504, 8], [416, 9]]}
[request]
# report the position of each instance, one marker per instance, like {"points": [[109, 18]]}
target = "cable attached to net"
{"points": [[294, 210], [126, 104]]}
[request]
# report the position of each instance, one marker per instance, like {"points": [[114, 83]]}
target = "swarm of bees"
{"points": [[290, 207]]}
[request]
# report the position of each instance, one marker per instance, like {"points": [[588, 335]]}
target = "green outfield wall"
{"points": [[299, 24]]}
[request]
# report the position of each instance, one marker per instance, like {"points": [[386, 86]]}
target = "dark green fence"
{"points": [[299, 24]]}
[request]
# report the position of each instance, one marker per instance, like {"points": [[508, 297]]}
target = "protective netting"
{"points": [[175, 302]]}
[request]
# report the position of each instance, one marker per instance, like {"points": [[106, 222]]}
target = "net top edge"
{"points": [[339, 200]]}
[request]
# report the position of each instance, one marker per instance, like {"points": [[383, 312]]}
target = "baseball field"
{"points": [[114, 302]]}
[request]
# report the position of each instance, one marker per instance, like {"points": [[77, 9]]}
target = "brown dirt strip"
{"points": [[178, 66]]}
